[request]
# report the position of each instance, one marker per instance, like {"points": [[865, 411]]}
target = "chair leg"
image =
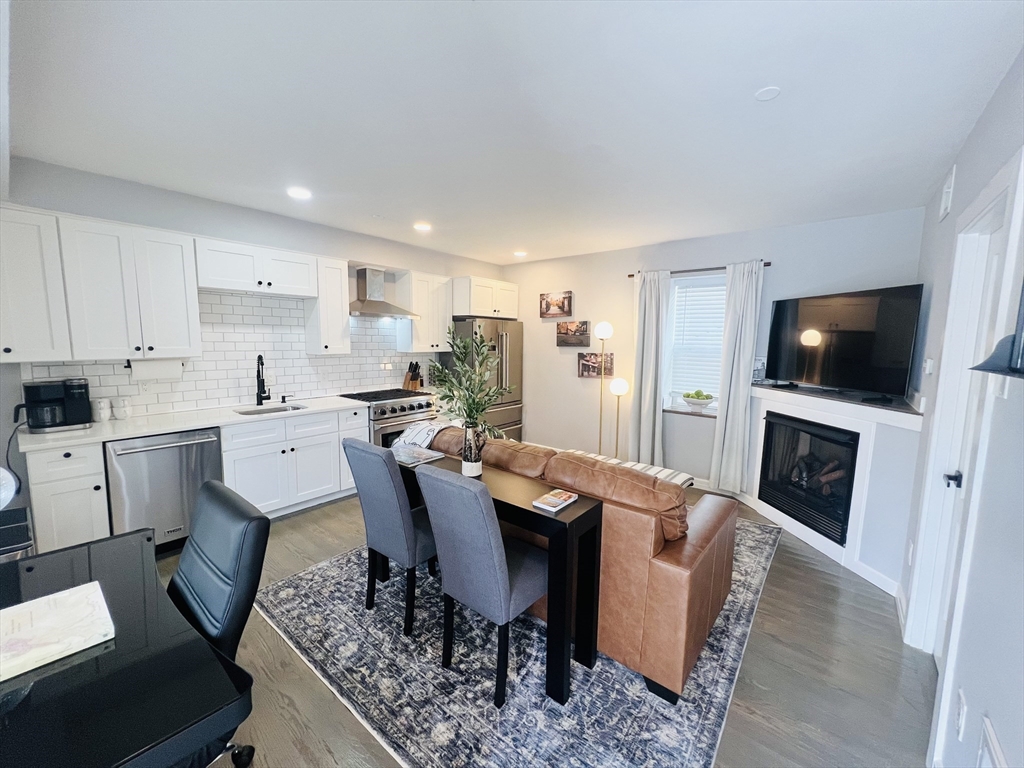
{"points": [[502, 677], [432, 566], [371, 577], [410, 598], [383, 568], [449, 631]]}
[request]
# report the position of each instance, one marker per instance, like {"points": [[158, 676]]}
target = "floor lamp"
{"points": [[618, 387], [603, 331]]}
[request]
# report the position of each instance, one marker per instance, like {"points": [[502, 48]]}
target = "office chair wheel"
{"points": [[241, 757]]}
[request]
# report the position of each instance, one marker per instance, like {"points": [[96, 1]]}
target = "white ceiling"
{"points": [[554, 128]]}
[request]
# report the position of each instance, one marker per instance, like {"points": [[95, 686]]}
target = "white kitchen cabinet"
{"points": [[165, 268], [358, 433], [428, 296], [224, 266], [484, 297], [69, 512], [33, 313], [261, 475], [328, 330], [102, 291], [314, 467]]}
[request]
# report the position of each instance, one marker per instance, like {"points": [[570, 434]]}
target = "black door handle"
{"points": [[957, 479]]}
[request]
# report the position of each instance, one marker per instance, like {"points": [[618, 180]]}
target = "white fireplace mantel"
{"points": [[883, 479]]}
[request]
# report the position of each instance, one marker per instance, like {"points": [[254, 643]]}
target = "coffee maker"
{"points": [[55, 406]]}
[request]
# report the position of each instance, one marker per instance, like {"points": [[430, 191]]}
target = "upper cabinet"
{"points": [[484, 297], [33, 315], [131, 292], [224, 266], [327, 318], [428, 296]]}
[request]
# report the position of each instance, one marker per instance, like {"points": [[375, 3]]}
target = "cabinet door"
{"points": [[482, 298], [328, 329], [413, 291], [229, 266], [506, 297], [260, 475], [440, 313], [69, 512], [33, 313], [289, 274], [360, 433], [315, 466], [103, 294], [165, 267]]}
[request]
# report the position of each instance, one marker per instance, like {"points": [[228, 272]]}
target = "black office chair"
{"points": [[216, 582]]}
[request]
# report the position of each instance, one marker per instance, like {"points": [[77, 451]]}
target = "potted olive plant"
{"points": [[466, 393]]}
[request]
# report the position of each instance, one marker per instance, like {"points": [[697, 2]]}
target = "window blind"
{"points": [[697, 327]]}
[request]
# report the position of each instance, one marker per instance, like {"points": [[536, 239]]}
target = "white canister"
{"points": [[122, 408], [101, 409]]}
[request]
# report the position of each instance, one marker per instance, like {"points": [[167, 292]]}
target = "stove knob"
{"points": [[392, 409], [402, 408], [421, 406], [382, 411]]}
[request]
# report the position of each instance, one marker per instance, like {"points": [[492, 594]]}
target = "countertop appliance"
{"points": [[55, 406], [506, 339], [393, 410], [153, 481]]}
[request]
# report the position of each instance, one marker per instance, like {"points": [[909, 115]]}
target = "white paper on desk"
{"points": [[41, 631]]}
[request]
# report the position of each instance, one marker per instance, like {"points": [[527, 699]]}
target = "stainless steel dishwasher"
{"points": [[153, 481]]}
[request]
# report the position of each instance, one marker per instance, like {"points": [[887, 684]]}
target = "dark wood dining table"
{"points": [[573, 536], [151, 696]]}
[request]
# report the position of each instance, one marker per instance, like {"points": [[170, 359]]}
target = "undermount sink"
{"points": [[268, 409]]}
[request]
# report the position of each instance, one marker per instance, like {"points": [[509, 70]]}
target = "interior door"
{"points": [[103, 293], [33, 312], [165, 266], [289, 274], [229, 266]]}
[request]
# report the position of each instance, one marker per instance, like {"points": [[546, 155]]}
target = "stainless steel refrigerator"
{"points": [[506, 340]]}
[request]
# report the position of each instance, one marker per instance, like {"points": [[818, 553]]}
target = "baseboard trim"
{"points": [[901, 608], [294, 509]]}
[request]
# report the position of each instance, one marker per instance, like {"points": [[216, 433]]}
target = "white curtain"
{"points": [[651, 299], [732, 428]]}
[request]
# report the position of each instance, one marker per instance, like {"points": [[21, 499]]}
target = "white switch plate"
{"points": [[929, 366]]}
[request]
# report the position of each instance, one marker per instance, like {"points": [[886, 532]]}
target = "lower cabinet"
{"points": [[315, 467], [260, 474], [347, 480], [69, 512]]}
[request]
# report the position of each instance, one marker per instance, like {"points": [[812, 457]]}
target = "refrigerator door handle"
{"points": [[504, 360]]}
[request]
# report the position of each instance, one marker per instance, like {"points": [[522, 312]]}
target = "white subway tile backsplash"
{"points": [[234, 330]]}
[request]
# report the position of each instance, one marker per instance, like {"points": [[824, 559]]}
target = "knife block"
{"points": [[410, 383]]}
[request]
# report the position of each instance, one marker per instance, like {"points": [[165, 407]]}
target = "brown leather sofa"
{"points": [[666, 568]]}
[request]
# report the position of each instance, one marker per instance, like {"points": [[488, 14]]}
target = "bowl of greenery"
{"points": [[698, 400]]}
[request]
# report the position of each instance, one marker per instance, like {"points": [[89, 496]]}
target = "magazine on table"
{"points": [[413, 455], [555, 500]]}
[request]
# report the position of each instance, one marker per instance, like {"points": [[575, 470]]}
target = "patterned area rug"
{"points": [[429, 716]]}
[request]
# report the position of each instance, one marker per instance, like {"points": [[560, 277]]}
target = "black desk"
{"points": [[574, 555], [150, 697]]}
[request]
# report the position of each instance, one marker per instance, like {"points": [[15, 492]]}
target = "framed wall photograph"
{"points": [[556, 304], [589, 364], [573, 334]]}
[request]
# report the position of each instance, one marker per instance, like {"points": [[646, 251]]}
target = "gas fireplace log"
{"points": [[830, 466], [833, 476], [826, 489]]}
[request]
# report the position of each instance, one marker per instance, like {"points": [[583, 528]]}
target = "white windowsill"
{"points": [[707, 413]]}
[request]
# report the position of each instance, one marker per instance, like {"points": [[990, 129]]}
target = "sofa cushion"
{"points": [[621, 485], [449, 441], [676, 476], [522, 458]]}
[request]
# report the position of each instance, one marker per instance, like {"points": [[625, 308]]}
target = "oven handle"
{"points": [[379, 426]]}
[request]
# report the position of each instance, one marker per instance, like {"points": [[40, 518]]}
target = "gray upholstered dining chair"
{"points": [[394, 530], [498, 578]]}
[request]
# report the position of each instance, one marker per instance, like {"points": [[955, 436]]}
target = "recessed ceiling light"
{"points": [[421, 226], [767, 94], [299, 193], [519, 254]]}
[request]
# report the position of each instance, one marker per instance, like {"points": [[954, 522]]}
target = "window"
{"points": [[697, 325]]}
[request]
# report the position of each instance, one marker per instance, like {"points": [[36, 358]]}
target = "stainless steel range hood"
{"points": [[370, 296]]}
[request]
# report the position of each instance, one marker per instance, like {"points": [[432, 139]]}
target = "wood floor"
{"points": [[826, 679]]}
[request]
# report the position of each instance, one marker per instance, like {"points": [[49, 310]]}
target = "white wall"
{"points": [[995, 139], [824, 257]]}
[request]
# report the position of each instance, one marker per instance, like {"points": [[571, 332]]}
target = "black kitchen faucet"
{"points": [[262, 393]]}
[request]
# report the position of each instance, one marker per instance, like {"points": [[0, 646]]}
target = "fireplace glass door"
{"points": [[807, 472]]}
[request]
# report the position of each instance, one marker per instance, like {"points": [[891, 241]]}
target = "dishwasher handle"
{"points": [[144, 449]]}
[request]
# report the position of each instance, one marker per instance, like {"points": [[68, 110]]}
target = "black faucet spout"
{"points": [[262, 393]]}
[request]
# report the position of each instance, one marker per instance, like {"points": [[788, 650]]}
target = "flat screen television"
{"points": [[860, 341]]}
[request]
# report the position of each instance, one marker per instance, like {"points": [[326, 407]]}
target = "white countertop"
{"points": [[177, 421]]}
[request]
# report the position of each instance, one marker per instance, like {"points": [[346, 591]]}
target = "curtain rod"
{"points": [[704, 269]]}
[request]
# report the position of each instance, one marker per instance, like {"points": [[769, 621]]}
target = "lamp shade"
{"points": [[603, 330], [619, 387]]}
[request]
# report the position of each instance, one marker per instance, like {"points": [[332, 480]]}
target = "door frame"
{"points": [[938, 536]]}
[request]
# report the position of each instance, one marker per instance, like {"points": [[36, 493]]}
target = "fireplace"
{"points": [[807, 473]]}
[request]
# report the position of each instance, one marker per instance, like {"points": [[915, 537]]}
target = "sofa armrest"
{"points": [[688, 583]]}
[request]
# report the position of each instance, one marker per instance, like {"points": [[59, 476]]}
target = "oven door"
{"points": [[386, 432]]}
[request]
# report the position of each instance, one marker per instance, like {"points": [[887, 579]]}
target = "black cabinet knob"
{"points": [[283, 450], [293, 450], [7, 350], [325, 346], [67, 455], [150, 349], [269, 284], [97, 487], [138, 349], [259, 282]]}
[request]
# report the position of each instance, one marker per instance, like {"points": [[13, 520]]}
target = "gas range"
{"points": [[396, 404]]}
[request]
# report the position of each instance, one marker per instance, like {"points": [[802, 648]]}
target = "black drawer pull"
{"points": [[283, 450], [150, 349], [96, 487], [259, 282], [138, 349], [269, 283], [7, 350], [325, 346], [67, 455], [293, 450]]}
